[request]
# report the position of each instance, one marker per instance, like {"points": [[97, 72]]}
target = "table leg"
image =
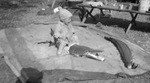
{"points": [[131, 23], [132, 16], [88, 13], [84, 15], [102, 11]]}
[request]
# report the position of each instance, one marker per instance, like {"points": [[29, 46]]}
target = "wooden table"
{"points": [[133, 13]]}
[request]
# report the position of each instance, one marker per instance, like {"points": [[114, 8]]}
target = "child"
{"points": [[64, 32]]}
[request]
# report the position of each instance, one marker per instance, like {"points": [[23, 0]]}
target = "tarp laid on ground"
{"points": [[74, 76], [20, 47], [69, 76]]}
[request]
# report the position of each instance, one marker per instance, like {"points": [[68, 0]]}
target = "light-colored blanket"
{"points": [[21, 48]]}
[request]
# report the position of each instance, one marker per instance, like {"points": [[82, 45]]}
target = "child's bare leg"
{"points": [[61, 47], [95, 57]]}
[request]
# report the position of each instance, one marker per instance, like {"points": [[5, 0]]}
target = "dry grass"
{"points": [[6, 75]]}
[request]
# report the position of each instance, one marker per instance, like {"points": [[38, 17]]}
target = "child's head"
{"points": [[65, 16]]}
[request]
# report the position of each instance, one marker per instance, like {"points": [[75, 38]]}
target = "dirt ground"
{"points": [[26, 15]]}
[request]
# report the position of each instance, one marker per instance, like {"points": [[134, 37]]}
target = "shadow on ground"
{"points": [[121, 23]]}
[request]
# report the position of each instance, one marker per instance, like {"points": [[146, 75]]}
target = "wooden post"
{"points": [[53, 3]]}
